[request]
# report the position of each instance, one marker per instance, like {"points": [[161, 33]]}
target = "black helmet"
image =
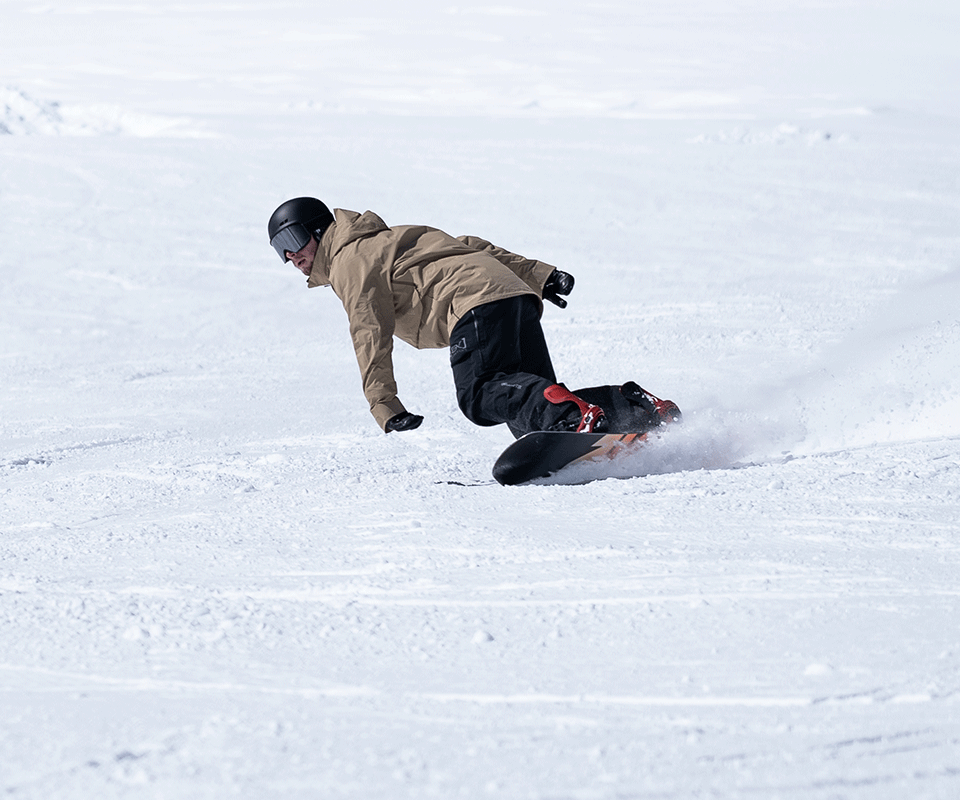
{"points": [[295, 221]]}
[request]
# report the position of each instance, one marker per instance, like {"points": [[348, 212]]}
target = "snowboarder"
{"points": [[433, 290]]}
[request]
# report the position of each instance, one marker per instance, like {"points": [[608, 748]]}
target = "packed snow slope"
{"points": [[218, 578]]}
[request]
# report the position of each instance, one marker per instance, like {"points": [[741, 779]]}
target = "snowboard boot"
{"points": [[666, 411], [584, 418]]}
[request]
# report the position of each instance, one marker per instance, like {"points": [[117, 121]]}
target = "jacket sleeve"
{"points": [[368, 301], [533, 273]]}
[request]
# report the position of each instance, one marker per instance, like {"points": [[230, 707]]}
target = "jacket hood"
{"points": [[348, 227]]}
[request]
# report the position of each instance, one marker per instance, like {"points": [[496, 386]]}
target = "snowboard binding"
{"points": [[612, 409], [592, 419]]}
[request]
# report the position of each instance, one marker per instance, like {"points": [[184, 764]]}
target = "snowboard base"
{"points": [[544, 453]]}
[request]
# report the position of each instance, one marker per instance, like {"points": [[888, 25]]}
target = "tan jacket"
{"points": [[412, 282]]}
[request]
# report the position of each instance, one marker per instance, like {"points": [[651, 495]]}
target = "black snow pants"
{"points": [[501, 366]]}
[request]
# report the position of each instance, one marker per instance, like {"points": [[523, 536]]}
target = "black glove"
{"points": [[404, 421], [557, 284]]}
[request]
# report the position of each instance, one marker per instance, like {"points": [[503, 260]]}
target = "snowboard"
{"points": [[545, 453]]}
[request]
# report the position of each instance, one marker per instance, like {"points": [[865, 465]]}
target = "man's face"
{"points": [[303, 258]]}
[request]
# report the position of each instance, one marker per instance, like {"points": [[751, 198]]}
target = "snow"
{"points": [[218, 578]]}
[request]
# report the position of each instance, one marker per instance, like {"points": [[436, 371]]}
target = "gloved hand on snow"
{"points": [[559, 283], [404, 421]]}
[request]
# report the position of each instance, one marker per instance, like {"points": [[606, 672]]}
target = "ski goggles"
{"points": [[291, 239]]}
